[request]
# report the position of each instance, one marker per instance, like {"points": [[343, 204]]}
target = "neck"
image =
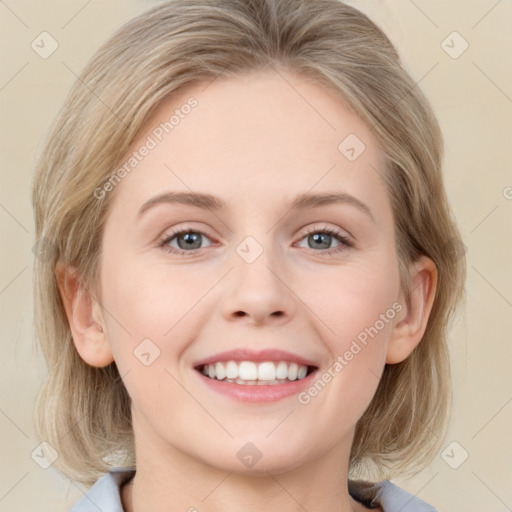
{"points": [[131, 505], [189, 487], [168, 478]]}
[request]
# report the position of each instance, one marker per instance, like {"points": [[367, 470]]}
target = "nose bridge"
{"points": [[258, 289], [257, 264]]}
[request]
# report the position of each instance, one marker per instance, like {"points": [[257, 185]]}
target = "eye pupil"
{"points": [[190, 241], [190, 238], [317, 238]]}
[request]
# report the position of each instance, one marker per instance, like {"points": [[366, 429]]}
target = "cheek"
{"points": [[141, 311], [359, 308], [148, 299], [354, 297], [148, 326]]}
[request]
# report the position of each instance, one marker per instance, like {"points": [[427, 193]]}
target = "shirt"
{"points": [[105, 495]]}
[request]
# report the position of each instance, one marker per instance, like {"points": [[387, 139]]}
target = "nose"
{"points": [[259, 293]]}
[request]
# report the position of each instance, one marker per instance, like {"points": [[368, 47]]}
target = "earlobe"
{"points": [[409, 330], [85, 318]]}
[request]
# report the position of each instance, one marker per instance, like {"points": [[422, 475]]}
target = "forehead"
{"points": [[258, 136]]}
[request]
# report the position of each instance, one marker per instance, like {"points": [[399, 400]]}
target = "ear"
{"points": [[85, 318], [409, 329]]}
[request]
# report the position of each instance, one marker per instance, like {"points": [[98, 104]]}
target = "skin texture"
{"points": [[255, 141]]}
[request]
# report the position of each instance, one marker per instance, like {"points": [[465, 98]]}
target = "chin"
{"points": [[258, 458]]}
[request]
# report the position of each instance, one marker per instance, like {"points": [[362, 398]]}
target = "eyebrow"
{"points": [[300, 202]]}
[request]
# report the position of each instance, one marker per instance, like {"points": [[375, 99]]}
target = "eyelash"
{"points": [[346, 243]]}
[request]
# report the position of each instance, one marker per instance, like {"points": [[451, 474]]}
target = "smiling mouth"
{"points": [[251, 373]]}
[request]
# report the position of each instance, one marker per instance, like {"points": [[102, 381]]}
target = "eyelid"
{"points": [[346, 241], [171, 233], [339, 231]]}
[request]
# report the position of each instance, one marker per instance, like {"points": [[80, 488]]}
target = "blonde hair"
{"points": [[84, 411]]}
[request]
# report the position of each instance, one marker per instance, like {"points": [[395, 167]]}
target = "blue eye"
{"points": [[324, 237], [189, 241]]}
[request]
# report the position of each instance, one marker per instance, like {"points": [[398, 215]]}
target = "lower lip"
{"points": [[258, 393]]}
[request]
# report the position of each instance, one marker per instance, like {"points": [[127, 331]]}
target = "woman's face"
{"points": [[262, 265]]}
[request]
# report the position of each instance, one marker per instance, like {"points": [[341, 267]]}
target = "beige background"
{"points": [[472, 95]]}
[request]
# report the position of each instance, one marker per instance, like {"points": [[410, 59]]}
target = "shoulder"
{"points": [[388, 496], [105, 494]]}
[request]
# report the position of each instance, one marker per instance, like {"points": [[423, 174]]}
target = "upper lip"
{"points": [[247, 354]]}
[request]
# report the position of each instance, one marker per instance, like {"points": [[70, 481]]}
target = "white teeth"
{"points": [[293, 369], [247, 370], [266, 371], [282, 370], [231, 370], [220, 371], [302, 372], [251, 373]]}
